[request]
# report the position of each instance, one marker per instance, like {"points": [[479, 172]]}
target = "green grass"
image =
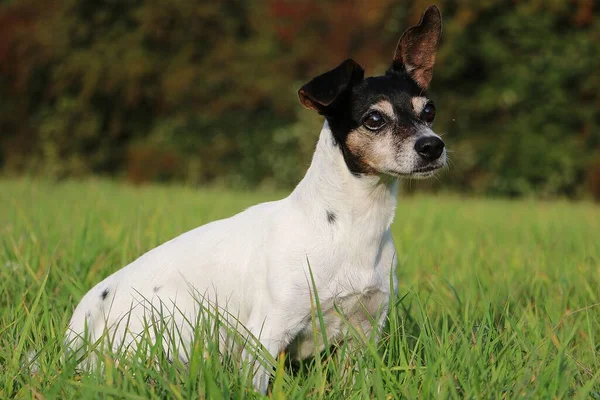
{"points": [[497, 299]]}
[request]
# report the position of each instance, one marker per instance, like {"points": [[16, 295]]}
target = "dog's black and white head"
{"points": [[382, 124]]}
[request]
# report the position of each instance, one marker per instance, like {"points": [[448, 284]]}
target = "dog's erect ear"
{"points": [[416, 49], [321, 92]]}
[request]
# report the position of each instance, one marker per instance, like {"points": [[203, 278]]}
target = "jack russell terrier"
{"points": [[330, 236]]}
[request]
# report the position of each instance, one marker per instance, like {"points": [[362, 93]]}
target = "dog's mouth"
{"points": [[426, 170], [418, 173]]}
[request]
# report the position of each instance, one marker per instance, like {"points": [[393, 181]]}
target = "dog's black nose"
{"points": [[429, 147]]}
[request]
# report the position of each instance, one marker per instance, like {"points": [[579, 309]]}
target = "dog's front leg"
{"points": [[273, 339], [262, 369]]}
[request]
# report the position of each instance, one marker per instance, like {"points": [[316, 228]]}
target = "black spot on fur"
{"points": [[88, 314], [331, 217], [156, 289], [104, 294]]}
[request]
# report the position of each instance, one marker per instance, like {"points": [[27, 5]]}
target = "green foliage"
{"points": [[504, 307], [208, 89], [522, 97]]}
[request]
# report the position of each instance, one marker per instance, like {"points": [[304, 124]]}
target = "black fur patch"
{"points": [[331, 217], [156, 289], [104, 294]]}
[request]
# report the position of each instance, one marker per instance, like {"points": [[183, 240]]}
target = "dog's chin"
{"points": [[424, 172]]}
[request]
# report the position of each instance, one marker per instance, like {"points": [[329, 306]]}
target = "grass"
{"points": [[497, 299]]}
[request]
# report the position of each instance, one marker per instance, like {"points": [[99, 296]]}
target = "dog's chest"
{"points": [[357, 312], [353, 283]]}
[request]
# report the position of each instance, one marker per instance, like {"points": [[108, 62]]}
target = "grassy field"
{"points": [[497, 299]]}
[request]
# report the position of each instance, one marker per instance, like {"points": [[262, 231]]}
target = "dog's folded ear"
{"points": [[321, 93], [416, 49]]}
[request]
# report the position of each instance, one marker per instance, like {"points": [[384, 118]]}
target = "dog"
{"points": [[330, 237]]}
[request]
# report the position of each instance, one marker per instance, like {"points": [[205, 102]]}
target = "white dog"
{"points": [[259, 265]]}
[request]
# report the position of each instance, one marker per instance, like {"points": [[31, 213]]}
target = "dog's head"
{"points": [[383, 124]]}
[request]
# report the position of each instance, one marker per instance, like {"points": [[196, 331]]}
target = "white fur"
{"points": [[257, 264]]}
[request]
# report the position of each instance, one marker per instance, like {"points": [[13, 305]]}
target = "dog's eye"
{"points": [[374, 121], [428, 113]]}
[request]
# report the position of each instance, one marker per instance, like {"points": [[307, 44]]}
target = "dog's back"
{"points": [[222, 258]]}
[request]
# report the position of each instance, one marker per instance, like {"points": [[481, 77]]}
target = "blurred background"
{"points": [[205, 92]]}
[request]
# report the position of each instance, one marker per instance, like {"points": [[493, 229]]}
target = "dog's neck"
{"points": [[331, 195]]}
